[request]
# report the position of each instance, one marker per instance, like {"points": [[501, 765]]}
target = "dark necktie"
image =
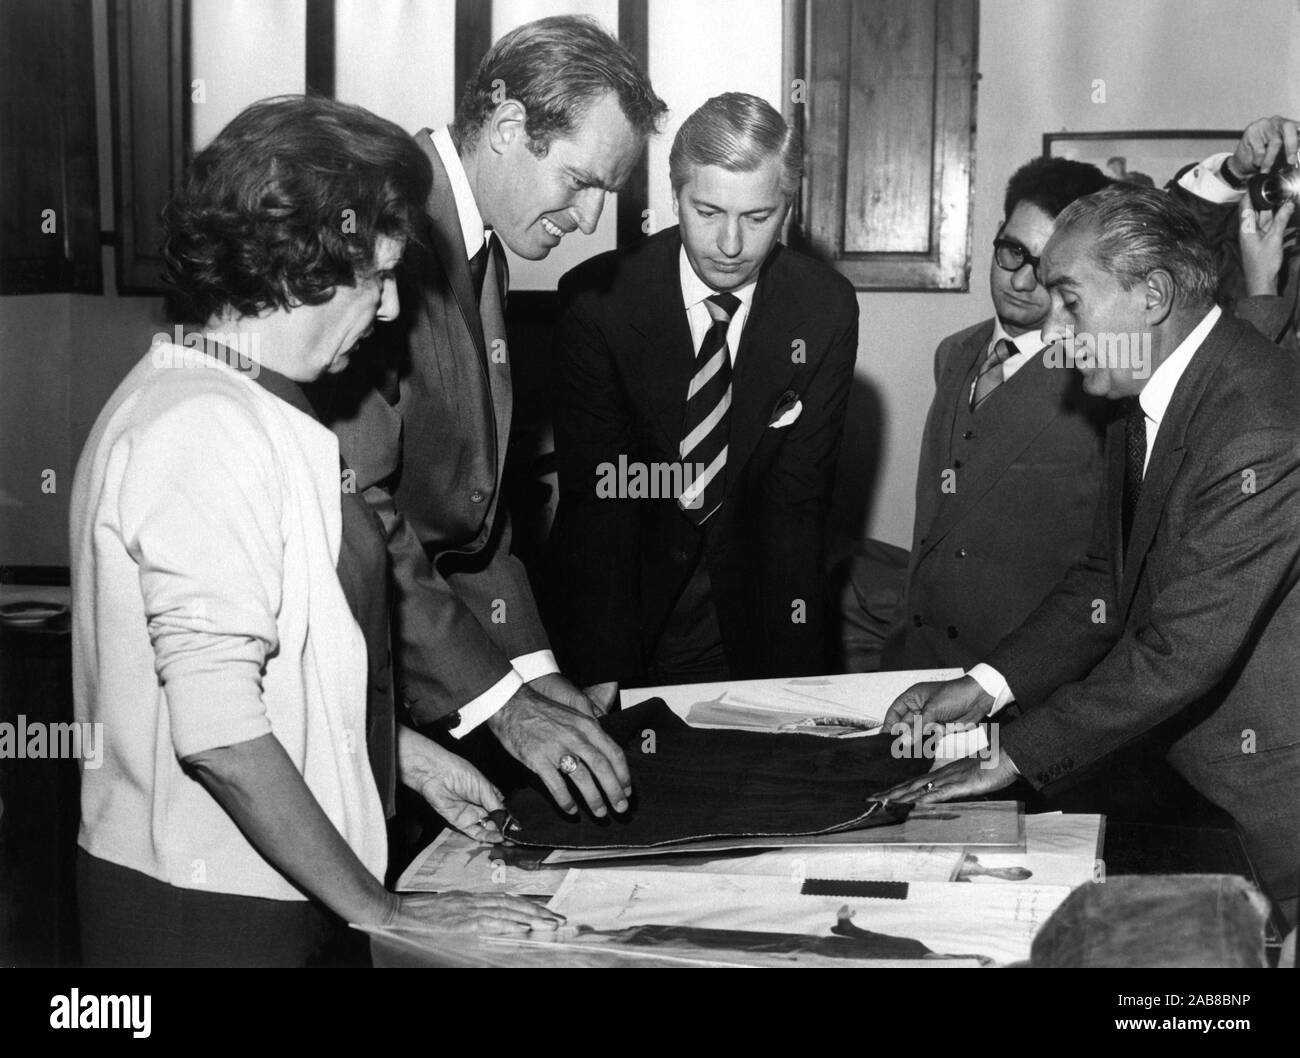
{"points": [[478, 265], [991, 373], [704, 436], [1135, 454]]}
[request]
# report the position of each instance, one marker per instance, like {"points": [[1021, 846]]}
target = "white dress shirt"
{"points": [[1204, 181], [541, 662], [1154, 400], [694, 294], [1026, 346]]}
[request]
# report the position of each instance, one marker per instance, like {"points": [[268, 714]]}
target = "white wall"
{"points": [[1189, 64], [243, 51], [1176, 64], [699, 50], [396, 58]]}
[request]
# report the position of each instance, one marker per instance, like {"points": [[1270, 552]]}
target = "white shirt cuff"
{"points": [[1204, 181], [538, 663], [486, 704], [524, 668], [994, 685]]}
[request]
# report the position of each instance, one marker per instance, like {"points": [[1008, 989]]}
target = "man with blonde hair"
{"points": [[702, 379]]}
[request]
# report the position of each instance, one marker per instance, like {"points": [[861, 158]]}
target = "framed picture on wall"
{"points": [[1151, 157]]}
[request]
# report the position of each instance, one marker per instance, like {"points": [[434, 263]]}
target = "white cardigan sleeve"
{"points": [[200, 510]]}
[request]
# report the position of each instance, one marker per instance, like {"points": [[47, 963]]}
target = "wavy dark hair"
{"points": [[286, 204], [1051, 184], [557, 67], [1139, 230]]}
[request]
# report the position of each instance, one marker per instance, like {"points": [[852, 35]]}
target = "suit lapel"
{"points": [[936, 440], [449, 242], [1167, 456], [763, 363], [1029, 401], [659, 317]]}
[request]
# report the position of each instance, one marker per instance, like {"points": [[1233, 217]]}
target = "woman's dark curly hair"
{"points": [[287, 203]]}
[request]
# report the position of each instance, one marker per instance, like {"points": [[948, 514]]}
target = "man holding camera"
{"points": [[1258, 259]]}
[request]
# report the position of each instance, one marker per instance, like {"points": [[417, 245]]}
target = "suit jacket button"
{"points": [[916, 620], [956, 464], [952, 632], [968, 435], [477, 496], [680, 557], [961, 552]]}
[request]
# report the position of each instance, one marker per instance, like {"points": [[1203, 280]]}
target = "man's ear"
{"points": [[506, 125], [1158, 292], [676, 206]]}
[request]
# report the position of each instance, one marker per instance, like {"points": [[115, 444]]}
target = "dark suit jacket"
{"points": [[992, 539], [1275, 316], [423, 417], [624, 361], [1195, 630]]}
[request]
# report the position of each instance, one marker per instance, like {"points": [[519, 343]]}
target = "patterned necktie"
{"points": [[1135, 456], [704, 437], [478, 265], [990, 376]]}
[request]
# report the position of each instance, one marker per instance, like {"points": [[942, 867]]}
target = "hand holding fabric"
{"points": [[958, 781], [454, 788], [541, 732]]}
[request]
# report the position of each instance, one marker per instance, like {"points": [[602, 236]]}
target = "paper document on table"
{"points": [[453, 861], [780, 704], [921, 920], [1059, 850]]}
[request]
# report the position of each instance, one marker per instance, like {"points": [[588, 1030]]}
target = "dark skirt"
{"points": [[129, 919]]}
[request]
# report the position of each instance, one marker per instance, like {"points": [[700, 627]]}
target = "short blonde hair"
{"points": [[737, 132]]}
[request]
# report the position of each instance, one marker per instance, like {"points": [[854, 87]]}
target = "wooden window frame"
{"points": [[819, 52]]}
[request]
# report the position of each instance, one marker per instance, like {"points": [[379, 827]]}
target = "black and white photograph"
{"points": [[649, 484]]}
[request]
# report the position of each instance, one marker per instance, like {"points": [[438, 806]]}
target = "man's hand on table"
{"points": [[540, 731], [958, 781], [961, 701]]}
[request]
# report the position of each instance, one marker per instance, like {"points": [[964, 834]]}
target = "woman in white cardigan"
{"points": [[227, 585]]}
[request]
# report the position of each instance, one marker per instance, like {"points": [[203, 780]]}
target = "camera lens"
{"points": [[1270, 190]]}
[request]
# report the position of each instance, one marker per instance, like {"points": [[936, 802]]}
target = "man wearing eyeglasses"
{"points": [[1011, 464]]}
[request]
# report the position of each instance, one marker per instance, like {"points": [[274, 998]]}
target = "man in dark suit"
{"points": [[553, 120], [713, 353], [1184, 615], [1257, 251], [1010, 466]]}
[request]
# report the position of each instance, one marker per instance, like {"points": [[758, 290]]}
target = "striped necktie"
{"points": [[704, 439], [990, 376]]}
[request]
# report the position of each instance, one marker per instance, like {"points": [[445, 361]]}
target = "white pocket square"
{"points": [[788, 417]]}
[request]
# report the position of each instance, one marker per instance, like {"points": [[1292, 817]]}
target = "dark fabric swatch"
{"points": [[693, 783]]}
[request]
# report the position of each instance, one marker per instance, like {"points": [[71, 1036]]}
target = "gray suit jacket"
{"points": [[423, 418], [1194, 631], [996, 534]]}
